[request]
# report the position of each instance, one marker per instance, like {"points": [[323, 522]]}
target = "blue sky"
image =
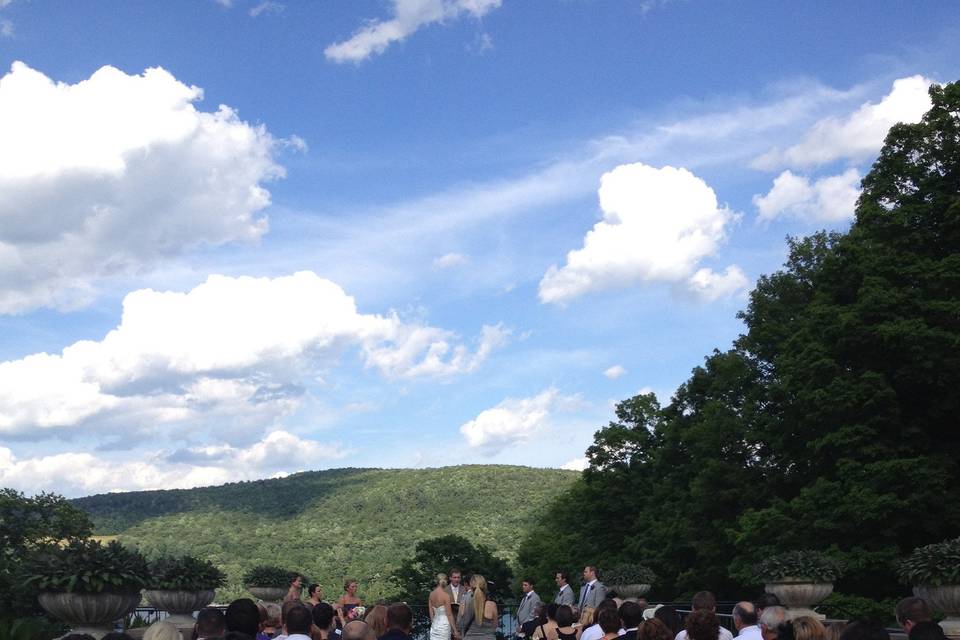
{"points": [[241, 239]]}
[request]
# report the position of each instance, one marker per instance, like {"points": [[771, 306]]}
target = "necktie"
{"points": [[583, 598]]}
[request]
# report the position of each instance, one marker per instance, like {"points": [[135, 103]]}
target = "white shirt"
{"points": [[455, 593], [593, 632], [750, 633], [296, 636], [723, 635]]}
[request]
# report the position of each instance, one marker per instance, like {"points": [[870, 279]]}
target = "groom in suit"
{"points": [[455, 589], [593, 591], [564, 590]]}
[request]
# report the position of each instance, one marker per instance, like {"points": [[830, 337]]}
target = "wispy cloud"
{"points": [[266, 7]]}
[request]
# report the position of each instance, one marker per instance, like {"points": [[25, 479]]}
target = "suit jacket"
{"points": [[460, 591], [527, 607], [565, 597], [594, 596]]}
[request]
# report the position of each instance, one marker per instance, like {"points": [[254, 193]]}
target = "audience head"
{"points": [[564, 616], [552, 611], [862, 630], [631, 615], [274, 615], [912, 610], [376, 618], [808, 628], [400, 616], [587, 617], [669, 617], [770, 620], [323, 615], [927, 630], [297, 619], [162, 630], [287, 607], [642, 602], [609, 620], [210, 623], [702, 624], [78, 636], [116, 635], [442, 580], [835, 630], [655, 629], [766, 600], [704, 601], [744, 615], [243, 616], [358, 630]]}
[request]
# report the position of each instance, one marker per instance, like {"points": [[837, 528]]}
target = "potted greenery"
{"points": [[629, 580], [934, 572], [88, 585], [800, 579], [182, 585], [268, 582]]}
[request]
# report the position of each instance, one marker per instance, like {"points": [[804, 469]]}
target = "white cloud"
{"points": [[615, 372], [449, 260], [858, 136], [657, 225], [6, 28], [113, 174], [266, 7], [577, 464], [231, 349], [408, 16], [79, 473], [830, 199], [709, 286], [513, 421]]}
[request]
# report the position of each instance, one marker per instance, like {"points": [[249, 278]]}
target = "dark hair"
{"points": [[767, 600], [606, 603], [322, 615], [669, 617], [863, 630], [242, 615], [529, 581], [609, 620], [312, 589], [116, 635], [704, 601], [210, 622], [399, 616], [747, 617], [239, 635], [654, 629], [563, 574], [552, 610], [703, 624], [927, 630], [78, 636], [631, 614], [564, 616], [298, 619], [913, 609]]}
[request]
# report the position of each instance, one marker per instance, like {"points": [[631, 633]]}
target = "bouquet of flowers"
{"points": [[357, 613]]}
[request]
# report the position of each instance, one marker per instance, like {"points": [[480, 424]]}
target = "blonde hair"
{"points": [[479, 584], [808, 628], [442, 579], [377, 619], [586, 616], [162, 630]]}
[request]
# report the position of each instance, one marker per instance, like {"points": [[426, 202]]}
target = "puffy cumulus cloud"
{"points": [[857, 136], [80, 473], [577, 464], [235, 348], [657, 225], [408, 16], [449, 260], [615, 372], [513, 421], [829, 199], [709, 285], [114, 173]]}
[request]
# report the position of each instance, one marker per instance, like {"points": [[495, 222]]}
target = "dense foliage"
{"points": [[629, 574], [337, 524], [830, 424], [265, 575], [88, 566], [184, 573], [803, 564], [933, 565]]}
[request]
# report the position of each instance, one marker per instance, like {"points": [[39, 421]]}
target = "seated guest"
{"points": [[242, 617], [705, 602], [745, 621], [764, 601], [835, 629], [358, 630], [701, 624], [323, 621], [862, 630], [808, 628], [595, 631], [297, 621], [654, 629], [565, 628], [548, 630], [669, 617], [609, 622], [162, 630], [116, 635], [770, 620], [927, 630], [631, 615], [399, 622], [272, 624], [376, 618], [910, 611], [210, 624]]}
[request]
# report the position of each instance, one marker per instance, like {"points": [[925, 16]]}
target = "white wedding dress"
{"points": [[439, 625]]}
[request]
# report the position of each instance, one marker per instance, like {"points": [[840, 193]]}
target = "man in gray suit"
{"points": [[455, 589], [527, 607], [564, 590], [593, 591]]}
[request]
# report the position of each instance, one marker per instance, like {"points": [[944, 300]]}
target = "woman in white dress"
{"points": [[442, 625]]}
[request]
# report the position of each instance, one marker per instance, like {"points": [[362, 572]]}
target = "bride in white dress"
{"points": [[442, 625]]}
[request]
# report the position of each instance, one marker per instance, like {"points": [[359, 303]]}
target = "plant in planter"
{"points": [[268, 582], [630, 580], [934, 572], [88, 585], [800, 579], [182, 585]]}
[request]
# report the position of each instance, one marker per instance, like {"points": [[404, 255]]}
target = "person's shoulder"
{"points": [[725, 634], [683, 634]]}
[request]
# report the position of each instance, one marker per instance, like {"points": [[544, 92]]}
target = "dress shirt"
{"points": [[593, 632], [724, 634], [750, 633]]}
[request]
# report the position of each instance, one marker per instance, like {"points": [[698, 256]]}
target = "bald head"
{"points": [[744, 615], [358, 630]]}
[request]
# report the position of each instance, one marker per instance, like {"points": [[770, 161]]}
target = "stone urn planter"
{"points": [[92, 613], [800, 595], [179, 604], [945, 599], [268, 594], [630, 590]]}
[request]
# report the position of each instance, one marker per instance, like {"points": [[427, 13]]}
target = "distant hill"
{"points": [[357, 523]]}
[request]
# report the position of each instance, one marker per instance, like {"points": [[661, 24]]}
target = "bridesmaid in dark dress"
{"points": [[347, 601]]}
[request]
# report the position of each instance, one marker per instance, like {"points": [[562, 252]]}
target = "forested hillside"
{"points": [[357, 523]]}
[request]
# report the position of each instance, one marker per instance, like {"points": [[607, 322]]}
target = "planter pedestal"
{"points": [[92, 613], [268, 594], [947, 600], [179, 604], [799, 596], [627, 591]]}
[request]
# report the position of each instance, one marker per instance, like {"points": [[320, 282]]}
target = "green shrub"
{"points": [[841, 606], [933, 565], [812, 565], [86, 566], [629, 574], [184, 573], [269, 576]]}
